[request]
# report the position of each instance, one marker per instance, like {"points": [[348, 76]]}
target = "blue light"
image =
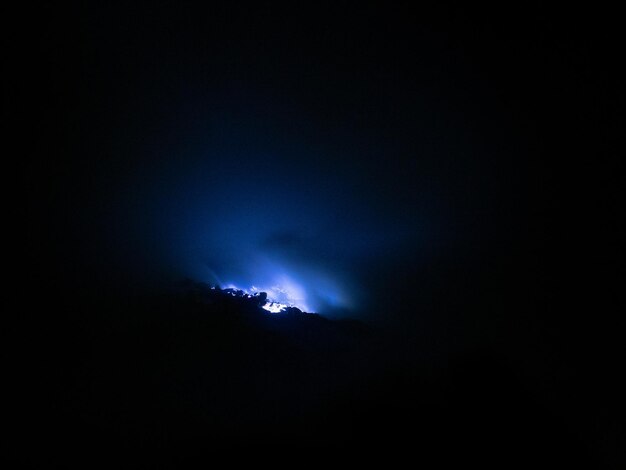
{"points": [[259, 216], [282, 293]]}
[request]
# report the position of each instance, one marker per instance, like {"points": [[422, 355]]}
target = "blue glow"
{"points": [[252, 206], [283, 292]]}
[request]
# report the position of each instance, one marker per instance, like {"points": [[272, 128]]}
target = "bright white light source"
{"points": [[274, 307]]}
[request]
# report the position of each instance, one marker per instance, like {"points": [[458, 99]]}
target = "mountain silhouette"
{"points": [[197, 372]]}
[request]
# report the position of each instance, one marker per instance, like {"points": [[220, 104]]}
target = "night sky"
{"points": [[439, 185]]}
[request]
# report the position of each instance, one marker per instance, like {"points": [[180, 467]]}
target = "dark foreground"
{"points": [[181, 377]]}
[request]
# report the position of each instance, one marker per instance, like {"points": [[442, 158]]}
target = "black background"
{"points": [[499, 344]]}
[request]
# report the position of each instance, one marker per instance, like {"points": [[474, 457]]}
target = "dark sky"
{"points": [[447, 172], [348, 145], [351, 134]]}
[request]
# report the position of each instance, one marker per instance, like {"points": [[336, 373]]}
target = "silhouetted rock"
{"points": [[208, 370], [293, 311], [262, 298]]}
